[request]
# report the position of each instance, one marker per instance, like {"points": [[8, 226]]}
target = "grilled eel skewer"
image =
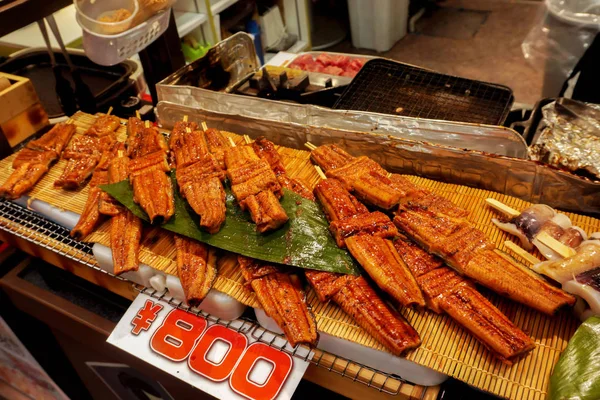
{"points": [[199, 175], [125, 228], [441, 228], [446, 291], [35, 159], [368, 238], [353, 294], [152, 188], [196, 267], [255, 187], [85, 152]]}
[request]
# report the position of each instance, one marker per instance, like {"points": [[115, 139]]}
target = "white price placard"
{"points": [[211, 357]]}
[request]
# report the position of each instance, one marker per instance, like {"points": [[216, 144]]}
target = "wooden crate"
{"points": [[21, 113]]}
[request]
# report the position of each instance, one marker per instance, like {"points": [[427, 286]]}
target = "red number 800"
{"points": [[182, 336]]}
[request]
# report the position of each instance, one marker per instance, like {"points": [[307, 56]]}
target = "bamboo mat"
{"points": [[446, 346]]}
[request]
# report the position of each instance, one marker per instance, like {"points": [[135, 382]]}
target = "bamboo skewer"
{"points": [[110, 110], [70, 121], [320, 172], [503, 208], [231, 142], [185, 118], [560, 248], [247, 139], [521, 252], [204, 126], [137, 114], [310, 146]]}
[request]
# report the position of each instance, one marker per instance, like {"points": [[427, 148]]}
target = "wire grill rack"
{"points": [[30, 226], [389, 87]]}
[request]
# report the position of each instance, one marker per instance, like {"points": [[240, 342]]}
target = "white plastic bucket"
{"points": [[377, 24]]}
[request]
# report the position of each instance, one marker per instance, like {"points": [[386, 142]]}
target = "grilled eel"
{"points": [[125, 228], [280, 294], [441, 228], [277, 288], [196, 266], [32, 162], [353, 294], [85, 152], [98, 202], [217, 145], [91, 216], [152, 188], [199, 176], [367, 237], [446, 291], [255, 187]]}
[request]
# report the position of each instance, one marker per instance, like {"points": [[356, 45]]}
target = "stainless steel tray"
{"points": [[520, 178]]}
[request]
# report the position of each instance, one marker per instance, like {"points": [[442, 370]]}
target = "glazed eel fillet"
{"points": [[32, 162], [98, 202], [196, 266], [125, 228], [440, 227], [85, 152], [255, 187], [280, 294], [447, 291], [352, 294], [199, 175], [367, 235], [152, 188]]}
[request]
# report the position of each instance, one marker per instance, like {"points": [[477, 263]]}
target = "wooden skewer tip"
{"points": [[147, 124], [247, 139], [503, 208], [185, 118], [204, 126], [138, 115], [231, 142], [521, 252], [110, 110], [320, 172], [310, 145], [188, 130], [559, 247]]}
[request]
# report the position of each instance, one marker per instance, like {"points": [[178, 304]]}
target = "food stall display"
{"points": [[470, 350]]}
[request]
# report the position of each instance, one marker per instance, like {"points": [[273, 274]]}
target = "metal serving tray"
{"points": [[524, 179]]}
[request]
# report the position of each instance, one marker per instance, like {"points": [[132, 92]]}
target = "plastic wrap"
{"points": [[559, 38]]}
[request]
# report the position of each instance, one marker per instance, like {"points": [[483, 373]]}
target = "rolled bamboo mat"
{"points": [[446, 347]]}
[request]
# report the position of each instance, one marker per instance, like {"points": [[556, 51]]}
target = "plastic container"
{"points": [[377, 24], [112, 49], [89, 12]]}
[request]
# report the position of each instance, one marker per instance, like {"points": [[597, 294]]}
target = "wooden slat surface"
{"points": [[446, 346]]}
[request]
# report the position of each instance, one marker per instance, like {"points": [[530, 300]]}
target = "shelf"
{"points": [[221, 5], [30, 35], [188, 21]]}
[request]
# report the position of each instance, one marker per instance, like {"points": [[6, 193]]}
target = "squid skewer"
{"points": [[578, 274], [535, 224]]}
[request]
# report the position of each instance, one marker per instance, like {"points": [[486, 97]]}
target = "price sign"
{"points": [[217, 360]]}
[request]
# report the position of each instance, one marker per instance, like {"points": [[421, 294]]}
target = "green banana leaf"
{"points": [[304, 241], [576, 375]]}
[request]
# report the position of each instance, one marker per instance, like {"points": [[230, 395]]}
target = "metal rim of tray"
{"points": [[34, 228]]}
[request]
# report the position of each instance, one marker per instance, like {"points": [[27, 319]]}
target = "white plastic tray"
{"points": [[216, 303]]}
